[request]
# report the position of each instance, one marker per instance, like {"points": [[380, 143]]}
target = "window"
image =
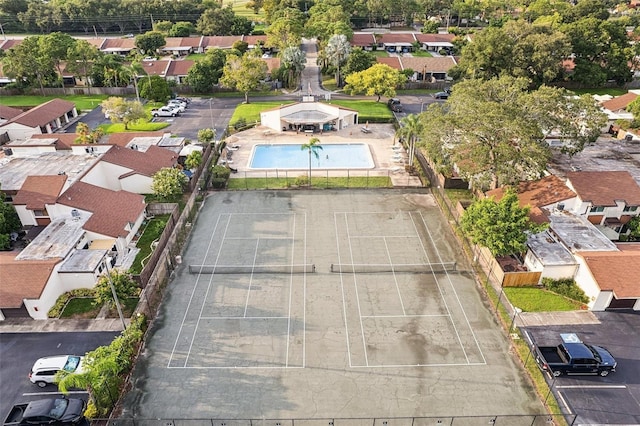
{"points": [[596, 209], [630, 209]]}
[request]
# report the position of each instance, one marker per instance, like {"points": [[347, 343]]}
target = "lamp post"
{"points": [[115, 296], [211, 113], [516, 311], [2, 30]]}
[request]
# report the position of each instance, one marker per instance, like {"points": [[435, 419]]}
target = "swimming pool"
{"points": [[331, 156]]}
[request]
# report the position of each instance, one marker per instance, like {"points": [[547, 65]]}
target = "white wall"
{"points": [[586, 282], [137, 184], [602, 301], [26, 216], [18, 131], [105, 175]]}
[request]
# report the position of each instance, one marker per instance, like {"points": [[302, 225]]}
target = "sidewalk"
{"points": [[28, 325]]}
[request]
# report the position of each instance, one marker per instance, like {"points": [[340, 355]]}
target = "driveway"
{"points": [[610, 400]]}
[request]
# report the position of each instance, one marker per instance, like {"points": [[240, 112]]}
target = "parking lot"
{"points": [[610, 400]]}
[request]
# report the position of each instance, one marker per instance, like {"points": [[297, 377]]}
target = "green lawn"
{"points": [[141, 126], [80, 307], [151, 233], [83, 102], [375, 112], [531, 299], [317, 182], [381, 53], [240, 9], [455, 195], [251, 112], [421, 54]]}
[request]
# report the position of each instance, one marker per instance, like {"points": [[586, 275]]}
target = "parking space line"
{"points": [[564, 402], [591, 387]]}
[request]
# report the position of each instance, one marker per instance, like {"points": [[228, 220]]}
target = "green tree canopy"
{"points": [[313, 146], [501, 226], [119, 110], [378, 80], [168, 183], [29, 63], [194, 159], [9, 222], [154, 88], [494, 131], [206, 136], [150, 42], [216, 20], [358, 60], [205, 73], [86, 135], [182, 29], [123, 284], [244, 74]]}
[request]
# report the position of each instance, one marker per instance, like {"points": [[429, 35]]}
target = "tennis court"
{"points": [[320, 304]]}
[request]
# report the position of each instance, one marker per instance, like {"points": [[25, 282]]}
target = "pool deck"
{"points": [[380, 137]]}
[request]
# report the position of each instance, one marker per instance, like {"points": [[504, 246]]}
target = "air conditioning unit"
{"points": [[628, 138]]}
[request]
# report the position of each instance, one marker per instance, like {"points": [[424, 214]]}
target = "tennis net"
{"points": [[255, 269], [421, 268]]}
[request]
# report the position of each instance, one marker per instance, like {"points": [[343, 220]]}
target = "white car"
{"points": [[45, 369], [181, 106], [165, 111]]}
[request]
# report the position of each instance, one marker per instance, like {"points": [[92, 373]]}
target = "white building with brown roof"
{"points": [[128, 169], [45, 118], [608, 199]]}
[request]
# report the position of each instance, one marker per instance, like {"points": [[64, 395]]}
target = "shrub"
{"points": [[301, 180], [219, 176], [58, 307], [566, 287]]}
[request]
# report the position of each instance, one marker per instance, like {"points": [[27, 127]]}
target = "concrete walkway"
{"points": [[28, 325]]}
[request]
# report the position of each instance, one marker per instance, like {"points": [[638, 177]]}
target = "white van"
{"points": [[45, 369]]}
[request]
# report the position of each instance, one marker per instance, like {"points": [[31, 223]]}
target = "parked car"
{"points": [[182, 106], [572, 356], [44, 369], [394, 105], [53, 411], [165, 111], [441, 95], [183, 99]]}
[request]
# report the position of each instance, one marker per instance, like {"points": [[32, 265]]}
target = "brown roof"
{"points": [[119, 44], [620, 102], [180, 68], [123, 139], [272, 63], [605, 188], [393, 62], [434, 38], [44, 113], [621, 279], [428, 64], [536, 194], [8, 44], [144, 163], [36, 191], [8, 113], [397, 38], [97, 42], [112, 210], [181, 42], [63, 140], [156, 67], [363, 39], [22, 279], [220, 42], [253, 40]]}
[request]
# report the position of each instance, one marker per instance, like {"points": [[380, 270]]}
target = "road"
{"points": [[18, 352]]}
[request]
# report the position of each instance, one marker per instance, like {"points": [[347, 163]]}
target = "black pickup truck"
{"points": [[572, 356], [53, 411]]}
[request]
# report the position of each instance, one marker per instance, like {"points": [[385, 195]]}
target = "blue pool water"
{"points": [[331, 156]]}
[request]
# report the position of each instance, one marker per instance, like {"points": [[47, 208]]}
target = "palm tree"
{"points": [[313, 147], [337, 51], [411, 128], [293, 61]]}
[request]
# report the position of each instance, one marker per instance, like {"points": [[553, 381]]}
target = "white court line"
{"points": [[454, 364], [304, 299], [455, 292], [239, 317], [193, 292], [405, 316], [355, 285], [255, 255], [206, 294], [253, 238], [242, 367], [395, 279], [344, 299], [293, 244], [591, 387], [446, 305]]}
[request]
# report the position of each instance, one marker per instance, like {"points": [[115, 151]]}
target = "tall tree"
{"points": [[9, 222], [216, 20], [119, 110], [378, 80], [244, 74], [313, 146], [80, 60], [206, 72], [501, 226], [28, 61], [292, 61], [150, 42], [358, 60], [411, 128], [169, 183], [494, 131], [337, 51], [86, 135], [286, 29], [57, 45]]}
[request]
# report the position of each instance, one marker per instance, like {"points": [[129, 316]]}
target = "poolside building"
{"points": [[309, 117]]}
